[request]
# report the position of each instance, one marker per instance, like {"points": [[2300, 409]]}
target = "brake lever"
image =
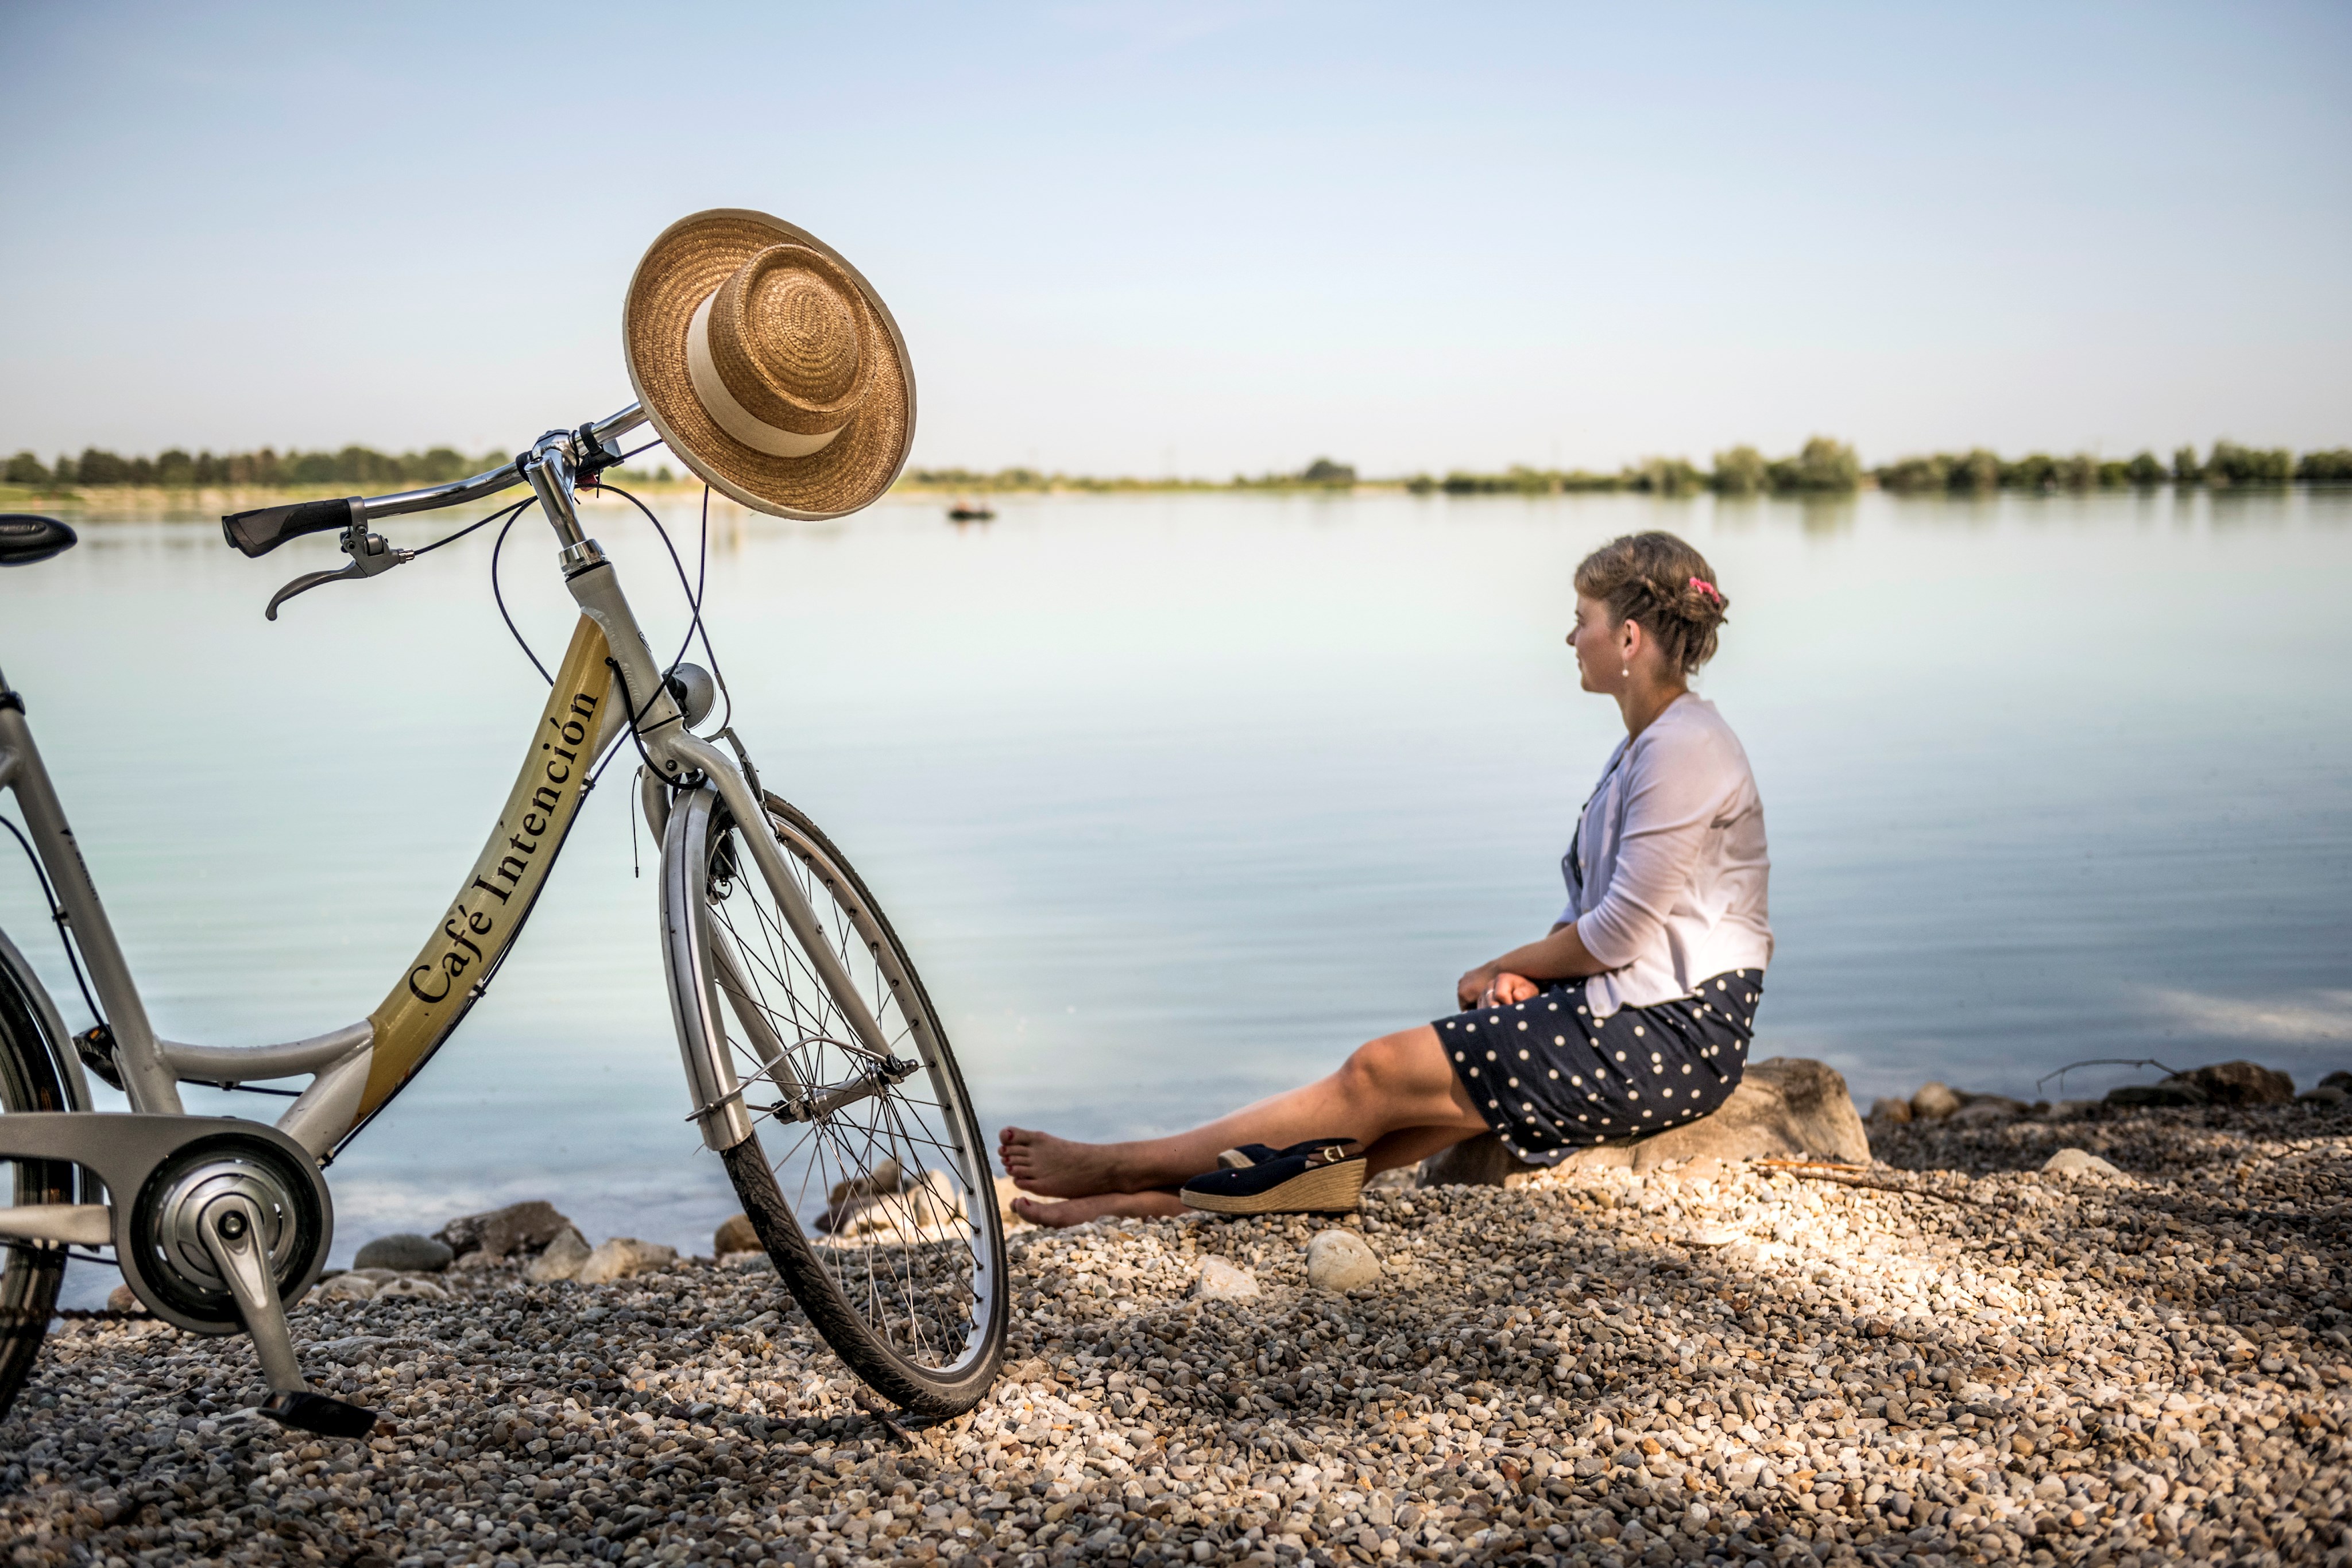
{"points": [[370, 555]]}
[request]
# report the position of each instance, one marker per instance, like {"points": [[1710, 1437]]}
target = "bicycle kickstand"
{"points": [[232, 1233]]}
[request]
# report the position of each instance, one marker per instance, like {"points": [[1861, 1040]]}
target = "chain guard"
{"points": [[140, 1158]]}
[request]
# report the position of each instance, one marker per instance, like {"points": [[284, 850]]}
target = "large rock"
{"points": [[1989, 1110], [346, 1287], [1890, 1111], [1481, 1161], [2077, 1162], [622, 1257], [409, 1254], [1785, 1108], [2216, 1085], [2241, 1083], [561, 1259], [1934, 1102], [935, 1198], [517, 1227], [854, 1196], [2171, 1093], [2222, 1083], [1341, 1261], [735, 1235]]}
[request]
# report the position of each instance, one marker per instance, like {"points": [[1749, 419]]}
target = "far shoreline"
{"points": [[145, 503]]}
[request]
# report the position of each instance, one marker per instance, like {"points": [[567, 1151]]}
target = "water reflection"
{"points": [[1174, 798]]}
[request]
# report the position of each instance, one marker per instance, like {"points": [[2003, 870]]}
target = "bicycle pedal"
{"points": [[328, 1417]]}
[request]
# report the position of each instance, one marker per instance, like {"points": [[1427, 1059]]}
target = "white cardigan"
{"points": [[1666, 874]]}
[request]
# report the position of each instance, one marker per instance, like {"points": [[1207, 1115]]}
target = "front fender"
{"points": [[694, 1003]]}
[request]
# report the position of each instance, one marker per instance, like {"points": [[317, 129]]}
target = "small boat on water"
{"points": [[968, 510]]}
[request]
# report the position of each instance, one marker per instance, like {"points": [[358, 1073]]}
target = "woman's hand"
{"points": [[1471, 990], [1492, 986], [1509, 988], [1519, 974]]}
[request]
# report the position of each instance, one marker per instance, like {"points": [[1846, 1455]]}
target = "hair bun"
{"points": [[1702, 601]]}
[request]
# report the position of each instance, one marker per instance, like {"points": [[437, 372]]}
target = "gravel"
{"points": [[1948, 1357]]}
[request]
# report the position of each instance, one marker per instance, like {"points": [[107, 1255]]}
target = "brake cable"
{"points": [[461, 533], [57, 916], [501, 598]]}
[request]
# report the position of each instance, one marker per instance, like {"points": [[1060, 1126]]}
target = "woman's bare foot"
{"points": [[1057, 1167], [1077, 1211]]}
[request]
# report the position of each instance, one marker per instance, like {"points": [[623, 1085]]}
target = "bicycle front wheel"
{"points": [[865, 1177]]}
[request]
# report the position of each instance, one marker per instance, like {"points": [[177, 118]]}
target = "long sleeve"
{"points": [[1673, 795]]}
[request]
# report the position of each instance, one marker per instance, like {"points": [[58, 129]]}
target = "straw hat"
{"points": [[769, 365]]}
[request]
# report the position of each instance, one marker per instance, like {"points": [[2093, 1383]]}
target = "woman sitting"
{"points": [[1632, 1016]]}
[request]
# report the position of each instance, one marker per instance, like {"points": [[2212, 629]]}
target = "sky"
{"points": [[1204, 238]]}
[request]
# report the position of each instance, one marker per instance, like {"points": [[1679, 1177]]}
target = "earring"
{"points": [[1627, 671]]}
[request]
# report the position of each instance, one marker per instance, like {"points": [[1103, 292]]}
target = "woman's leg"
{"points": [[1397, 1095]]}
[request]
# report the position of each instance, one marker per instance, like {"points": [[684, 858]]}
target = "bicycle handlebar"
{"points": [[257, 533]]}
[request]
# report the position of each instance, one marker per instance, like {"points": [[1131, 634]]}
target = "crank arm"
{"points": [[232, 1233]]}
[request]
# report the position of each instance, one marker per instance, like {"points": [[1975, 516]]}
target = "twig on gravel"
{"points": [[2102, 1062], [1886, 1186]]}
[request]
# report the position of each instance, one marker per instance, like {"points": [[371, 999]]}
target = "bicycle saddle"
{"points": [[26, 539]]}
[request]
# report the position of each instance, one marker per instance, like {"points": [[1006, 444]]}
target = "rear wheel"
{"points": [[29, 1080], [865, 1177]]}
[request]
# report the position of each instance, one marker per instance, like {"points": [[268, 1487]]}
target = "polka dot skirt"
{"points": [[1550, 1079]]}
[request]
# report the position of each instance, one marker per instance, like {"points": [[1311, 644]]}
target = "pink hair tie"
{"points": [[1704, 586]]}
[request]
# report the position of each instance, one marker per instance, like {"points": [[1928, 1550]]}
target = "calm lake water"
{"points": [[1177, 799]]}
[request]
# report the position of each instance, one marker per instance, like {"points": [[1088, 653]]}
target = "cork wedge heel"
{"points": [[1325, 1176]]}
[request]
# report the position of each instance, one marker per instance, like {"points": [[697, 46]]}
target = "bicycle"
{"points": [[798, 1012]]}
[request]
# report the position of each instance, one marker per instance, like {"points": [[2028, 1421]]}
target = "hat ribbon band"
{"points": [[732, 416]]}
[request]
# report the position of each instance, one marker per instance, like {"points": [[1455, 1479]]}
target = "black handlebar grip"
{"points": [[260, 532]]}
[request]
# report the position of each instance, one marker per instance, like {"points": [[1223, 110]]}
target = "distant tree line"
{"points": [[2228, 465], [1827, 467], [1823, 467], [360, 467]]}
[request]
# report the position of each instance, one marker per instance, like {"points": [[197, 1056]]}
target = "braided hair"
{"points": [[1661, 582]]}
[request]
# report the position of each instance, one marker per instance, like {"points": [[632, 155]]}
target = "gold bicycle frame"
{"points": [[456, 961]]}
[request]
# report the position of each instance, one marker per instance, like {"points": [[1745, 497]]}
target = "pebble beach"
{"points": [[1948, 1356]]}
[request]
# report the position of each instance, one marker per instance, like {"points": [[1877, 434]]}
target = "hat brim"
{"points": [[680, 269]]}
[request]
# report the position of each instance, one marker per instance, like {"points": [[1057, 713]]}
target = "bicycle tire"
{"points": [[947, 1267], [29, 1080]]}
